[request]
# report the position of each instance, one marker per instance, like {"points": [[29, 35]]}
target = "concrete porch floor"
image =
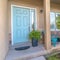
{"points": [[28, 54]]}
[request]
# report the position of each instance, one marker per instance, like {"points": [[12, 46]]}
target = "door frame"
{"points": [[12, 19]]}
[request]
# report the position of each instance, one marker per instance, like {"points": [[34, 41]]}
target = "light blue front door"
{"points": [[21, 24]]}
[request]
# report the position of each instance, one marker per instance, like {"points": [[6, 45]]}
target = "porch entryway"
{"points": [[22, 21]]}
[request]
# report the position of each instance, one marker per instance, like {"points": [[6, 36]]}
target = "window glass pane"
{"points": [[52, 21], [32, 14], [57, 21]]}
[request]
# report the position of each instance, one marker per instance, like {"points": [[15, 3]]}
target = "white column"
{"points": [[47, 24], [3, 29]]}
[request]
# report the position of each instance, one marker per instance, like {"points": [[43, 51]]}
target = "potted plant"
{"points": [[54, 39], [35, 36]]}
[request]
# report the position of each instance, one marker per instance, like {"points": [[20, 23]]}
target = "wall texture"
{"points": [[3, 29]]}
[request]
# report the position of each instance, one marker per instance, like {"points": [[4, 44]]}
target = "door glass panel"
{"points": [[33, 19], [52, 21], [57, 21]]}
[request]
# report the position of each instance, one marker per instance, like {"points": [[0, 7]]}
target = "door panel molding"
{"points": [[24, 12]]}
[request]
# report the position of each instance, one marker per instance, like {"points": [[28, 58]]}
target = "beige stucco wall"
{"points": [[3, 29]]}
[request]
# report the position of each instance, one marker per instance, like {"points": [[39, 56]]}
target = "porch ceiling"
{"points": [[55, 1], [25, 0]]}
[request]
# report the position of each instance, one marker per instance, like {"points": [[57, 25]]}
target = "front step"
{"points": [[36, 58], [30, 53], [39, 58]]}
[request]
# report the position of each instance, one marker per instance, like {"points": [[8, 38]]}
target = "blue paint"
{"points": [[54, 40], [21, 23]]}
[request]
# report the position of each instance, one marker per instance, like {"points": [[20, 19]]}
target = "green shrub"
{"points": [[52, 58], [58, 22], [35, 34]]}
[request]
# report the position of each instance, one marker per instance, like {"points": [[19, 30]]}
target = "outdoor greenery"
{"points": [[54, 57], [35, 34], [58, 21]]}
